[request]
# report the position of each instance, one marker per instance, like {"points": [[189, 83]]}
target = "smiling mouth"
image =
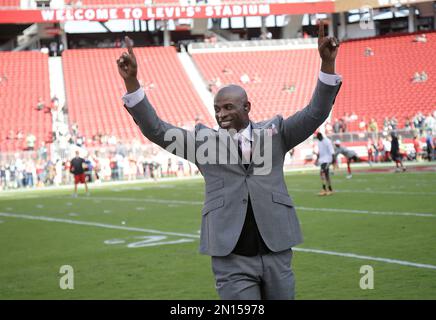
{"points": [[225, 124]]}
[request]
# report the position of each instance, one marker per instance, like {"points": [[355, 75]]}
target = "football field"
{"points": [[140, 240]]}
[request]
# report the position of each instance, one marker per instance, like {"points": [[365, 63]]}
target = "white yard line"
{"points": [[334, 210], [149, 200], [94, 224], [370, 191], [388, 213], [356, 256], [308, 250]]}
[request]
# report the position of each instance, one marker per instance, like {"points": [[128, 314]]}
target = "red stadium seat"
{"points": [[9, 3]]}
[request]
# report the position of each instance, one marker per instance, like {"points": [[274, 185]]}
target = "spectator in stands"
{"points": [[369, 52], [372, 126], [417, 148], [30, 141], [3, 182], [418, 121], [19, 171], [408, 125], [80, 141], [245, 78], [266, 35], [54, 103], [54, 48], [169, 167], [370, 148], [42, 151], [386, 124], [256, 79], [429, 123], [30, 172], [20, 135], [75, 128], [362, 125], [429, 145], [11, 135], [387, 147], [416, 77], [393, 123], [214, 83], [41, 104], [328, 127], [342, 125], [227, 70], [117, 43], [289, 88], [336, 126], [424, 76], [380, 150], [395, 153], [3, 79], [149, 86], [421, 38], [88, 170]]}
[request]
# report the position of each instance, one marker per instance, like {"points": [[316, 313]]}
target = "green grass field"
{"points": [[140, 241]]}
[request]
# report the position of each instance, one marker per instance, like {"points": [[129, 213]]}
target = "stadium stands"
{"points": [[268, 72], [278, 82], [381, 85], [94, 89], [374, 87], [24, 79]]}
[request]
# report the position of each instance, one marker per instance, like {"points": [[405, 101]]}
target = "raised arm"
{"points": [[171, 138], [302, 124], [128, 68]]}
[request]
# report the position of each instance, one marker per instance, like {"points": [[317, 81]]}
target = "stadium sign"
{"points": [[162, 12], [346, 5]]}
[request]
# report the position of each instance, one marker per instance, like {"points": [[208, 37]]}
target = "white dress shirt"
{"points": [[132, 99], [244, 138], [325, 150]]}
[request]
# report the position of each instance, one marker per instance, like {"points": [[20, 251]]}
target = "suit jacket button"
{"points": [[244, 201]]}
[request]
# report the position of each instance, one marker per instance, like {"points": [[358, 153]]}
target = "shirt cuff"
{"points": [[330, 79], [132, 99]]}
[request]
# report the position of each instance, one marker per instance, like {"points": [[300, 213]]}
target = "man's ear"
{"points": [[247, 107]]}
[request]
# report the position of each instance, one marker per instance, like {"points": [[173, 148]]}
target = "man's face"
{"points": [[232, 108]]}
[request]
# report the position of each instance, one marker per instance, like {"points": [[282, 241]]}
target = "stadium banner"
{"points": [[163, 12], [346, 5]]}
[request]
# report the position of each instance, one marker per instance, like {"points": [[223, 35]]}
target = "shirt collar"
{"points": [[246, 133]]}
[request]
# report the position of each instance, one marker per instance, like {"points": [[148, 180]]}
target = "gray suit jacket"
{"points": [[228, 186]]}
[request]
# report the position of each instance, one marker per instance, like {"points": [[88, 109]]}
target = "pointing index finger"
{"points": [[321, 29], [129, 44]]}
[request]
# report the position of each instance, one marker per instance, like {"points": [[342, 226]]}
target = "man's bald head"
{"points": [[232, 107], [232, 91]]}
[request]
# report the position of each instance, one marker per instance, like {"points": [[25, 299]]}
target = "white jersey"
{"points": [[325, 150]]}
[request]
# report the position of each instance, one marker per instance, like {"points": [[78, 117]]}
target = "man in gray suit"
{"points": [[249, 224]]}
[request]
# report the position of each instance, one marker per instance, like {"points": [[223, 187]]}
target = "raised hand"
{"points": [[128, 67], [328, 49]]}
